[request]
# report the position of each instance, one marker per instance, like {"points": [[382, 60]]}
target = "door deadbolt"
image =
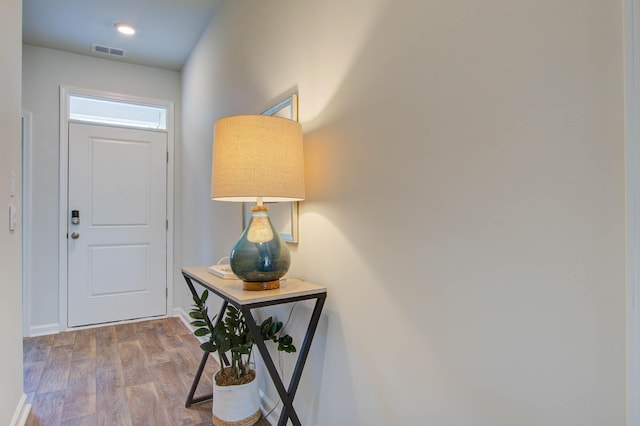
{"points": [[75, 217], [75, 235]]}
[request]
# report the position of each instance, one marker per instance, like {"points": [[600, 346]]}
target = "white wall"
{"points": [[10, 258], [44, 71], [465, 203]]}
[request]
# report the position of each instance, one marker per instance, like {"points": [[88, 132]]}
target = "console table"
{"points": [[230, 291]]}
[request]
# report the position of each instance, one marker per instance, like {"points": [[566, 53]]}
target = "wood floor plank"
{"points": [[131, 354], [107, 346], [187, 365], [167, 383], [112, 406], [145, 406], [175, 326], [32, 420], [82, 377], [78, 405], [47, 407], [111, 399], [188, 342], [32, 374], [56, 369], [170, 341], [64, 339], [89, 420], [134, 363], [152, 347], [126, 332], [85, 344], [36, 349], [107, 353], [141, 329]]}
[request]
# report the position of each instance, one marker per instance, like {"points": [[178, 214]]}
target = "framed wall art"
{"points": [[284, 216]]}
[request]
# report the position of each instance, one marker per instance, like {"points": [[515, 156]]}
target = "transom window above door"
{"points": [[120, 113]]}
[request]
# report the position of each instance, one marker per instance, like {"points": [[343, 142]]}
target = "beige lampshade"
{"points": [[257, 156]]}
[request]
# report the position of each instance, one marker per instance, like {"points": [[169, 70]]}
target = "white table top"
{"points": [[289, 288]]}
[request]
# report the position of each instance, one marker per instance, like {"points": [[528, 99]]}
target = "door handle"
{"points": [[75, 235]]}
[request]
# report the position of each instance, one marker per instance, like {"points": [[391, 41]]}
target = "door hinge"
{"points": [[167, 156], [167, 222], [166, 292]]}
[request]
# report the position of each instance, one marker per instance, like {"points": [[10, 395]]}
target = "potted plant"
{"points": [[235, 391]]}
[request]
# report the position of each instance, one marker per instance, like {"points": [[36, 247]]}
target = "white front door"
{"points": [[117, 252]]}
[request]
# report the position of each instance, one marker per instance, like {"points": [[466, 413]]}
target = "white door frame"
{"points": [[65, 93], [631, 32], [26, 223]]}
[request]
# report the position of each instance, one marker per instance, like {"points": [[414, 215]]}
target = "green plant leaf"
{"points": [[205, 295], [208, 347], [286, 348], [196, 315], [286, 340], [264, 328], [224, 346], [198, 323], [201, 332]]}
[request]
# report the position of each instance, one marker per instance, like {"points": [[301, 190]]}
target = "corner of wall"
{"points": [[22, 412]]}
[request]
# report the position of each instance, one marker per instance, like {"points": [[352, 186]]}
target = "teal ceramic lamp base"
{"points": [[260, 257]]}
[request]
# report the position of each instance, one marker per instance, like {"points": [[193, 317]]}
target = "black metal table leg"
{"points": [[286, 396], [302, 358], [205, 356], [190, 399], [268, 362]]}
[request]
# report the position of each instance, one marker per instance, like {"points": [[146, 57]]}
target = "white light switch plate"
{"points": [[13, 217], [13, 184]]}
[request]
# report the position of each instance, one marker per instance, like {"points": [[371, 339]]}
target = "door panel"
{"points": [[110, 191], [117, 263], [131, 275]]}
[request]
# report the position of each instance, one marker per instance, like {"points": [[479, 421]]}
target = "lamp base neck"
{"points": [[261, 285]]}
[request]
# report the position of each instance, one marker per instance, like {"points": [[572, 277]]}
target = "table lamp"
{"points": [[258, 158]]}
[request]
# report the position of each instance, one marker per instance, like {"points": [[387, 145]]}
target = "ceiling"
{"points": [[167, 30]]}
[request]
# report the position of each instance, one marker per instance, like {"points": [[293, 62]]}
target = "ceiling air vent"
{"points": [[113, 51]]}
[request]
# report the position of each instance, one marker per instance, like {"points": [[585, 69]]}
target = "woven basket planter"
{"points": [[237, 405]]}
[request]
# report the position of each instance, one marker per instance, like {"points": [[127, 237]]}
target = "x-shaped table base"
{"points": [[231, 292]]}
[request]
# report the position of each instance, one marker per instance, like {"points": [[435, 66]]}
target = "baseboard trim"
{"points": [[22, 412], [184, 317], [268, 411], [43, 330]]}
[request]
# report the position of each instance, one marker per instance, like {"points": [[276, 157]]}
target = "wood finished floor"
{"points": [[129, 374]]}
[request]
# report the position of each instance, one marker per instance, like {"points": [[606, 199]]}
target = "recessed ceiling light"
{"points": [[124, 28]]}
